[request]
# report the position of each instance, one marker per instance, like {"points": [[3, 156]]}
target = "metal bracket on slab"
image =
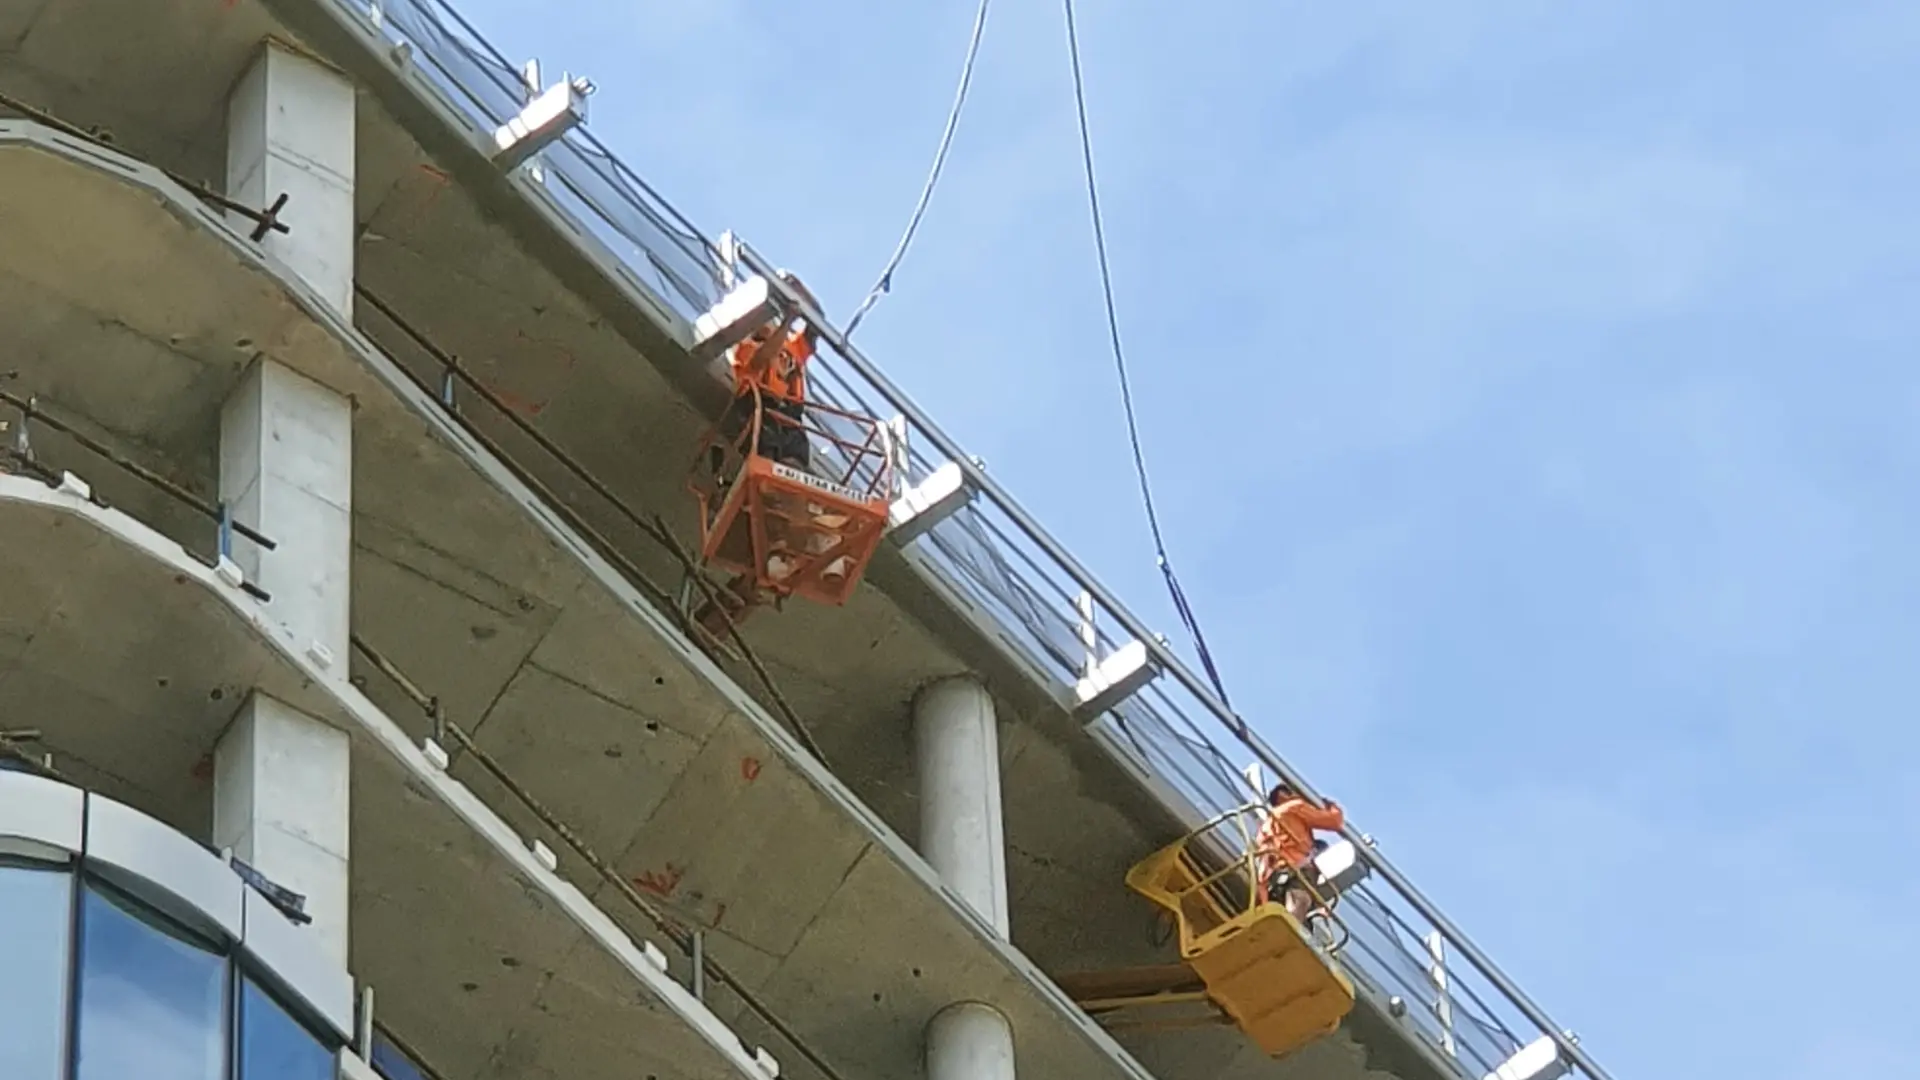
{"points": [[1107, 681], [928, 503], [547, 116]]}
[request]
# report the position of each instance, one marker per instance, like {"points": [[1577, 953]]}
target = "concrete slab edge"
{"points": [[377, 64], [445, 426], [365, 719]]}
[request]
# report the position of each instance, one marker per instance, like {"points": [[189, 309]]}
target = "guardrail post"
{"points": [[23, 435], [1089, 634], [1442, 1003], [699, 979], [363, 1026]]}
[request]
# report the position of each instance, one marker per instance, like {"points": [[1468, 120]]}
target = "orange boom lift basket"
{"points": [[787, 531]]}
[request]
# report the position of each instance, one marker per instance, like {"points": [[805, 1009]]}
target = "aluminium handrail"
{"points": [[1164, 656]]}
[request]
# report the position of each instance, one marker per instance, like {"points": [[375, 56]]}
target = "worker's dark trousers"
{"points": [[1282, 880], [784, 442]]}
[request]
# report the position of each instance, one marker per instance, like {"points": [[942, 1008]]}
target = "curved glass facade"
{"points": [[274, 1044], [121, 988], [36, 907], [393, 1063]]}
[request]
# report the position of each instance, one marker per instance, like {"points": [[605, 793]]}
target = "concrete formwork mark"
{"points": [[528, 405], [436, 576], [19, 21]]}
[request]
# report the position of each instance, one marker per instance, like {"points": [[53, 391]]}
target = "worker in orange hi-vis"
{"points": [[780, 376], [1285, 847]]}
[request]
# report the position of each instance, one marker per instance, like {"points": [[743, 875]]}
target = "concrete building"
{"points": [[353, 715]]}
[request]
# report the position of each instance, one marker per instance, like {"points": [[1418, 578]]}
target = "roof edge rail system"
{"points": [[1153, 653], [1124, 678]]}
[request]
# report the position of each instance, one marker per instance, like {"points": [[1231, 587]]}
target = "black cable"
{"points": [[30, 410], [1180, 605], [885, 284]]}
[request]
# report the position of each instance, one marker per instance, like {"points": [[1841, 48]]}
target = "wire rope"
{"points": [[1165, 562], [884, 284]]}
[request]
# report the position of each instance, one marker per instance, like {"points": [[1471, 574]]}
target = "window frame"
{"points": [[244, 968], [67, 867], [88, 876], [154, 908]]}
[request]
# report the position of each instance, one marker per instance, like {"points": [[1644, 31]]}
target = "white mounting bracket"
{"points": [[746, 306], [548, 115], [1106, 681], [229, 571], [928, 503], [1113, 680], [1538, 1060]]}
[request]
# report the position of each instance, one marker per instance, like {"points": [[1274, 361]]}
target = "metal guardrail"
{"points": [[995, 555], [21, 455]]}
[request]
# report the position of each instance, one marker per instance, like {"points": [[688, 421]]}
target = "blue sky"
{"points": [[1524, 385]]}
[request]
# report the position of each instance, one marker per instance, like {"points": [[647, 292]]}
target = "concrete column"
{"points": [[281, 778], [286, 468], [969, 1041], [280, 801], [957, 752], [290, 130]]}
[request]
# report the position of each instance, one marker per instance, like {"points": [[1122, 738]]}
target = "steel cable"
{"points": [[1180, 604], [885, 284]]}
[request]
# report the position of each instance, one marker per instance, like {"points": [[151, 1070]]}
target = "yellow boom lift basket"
{"points": [[1259, 965]]}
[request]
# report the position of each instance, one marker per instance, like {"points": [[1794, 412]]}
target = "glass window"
{"points": [[35, 907], [152, 997], [274, 1045], [392, 1062]]}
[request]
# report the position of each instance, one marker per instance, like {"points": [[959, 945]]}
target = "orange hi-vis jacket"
{"points": [[1286, 839], [784, 376]]}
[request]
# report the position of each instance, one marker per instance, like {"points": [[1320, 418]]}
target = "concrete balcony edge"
{"points": [[353, 711]]}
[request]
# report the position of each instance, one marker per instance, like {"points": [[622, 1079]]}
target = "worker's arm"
{"points": [[800, 345], [1329, 817], [750, 360]]}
